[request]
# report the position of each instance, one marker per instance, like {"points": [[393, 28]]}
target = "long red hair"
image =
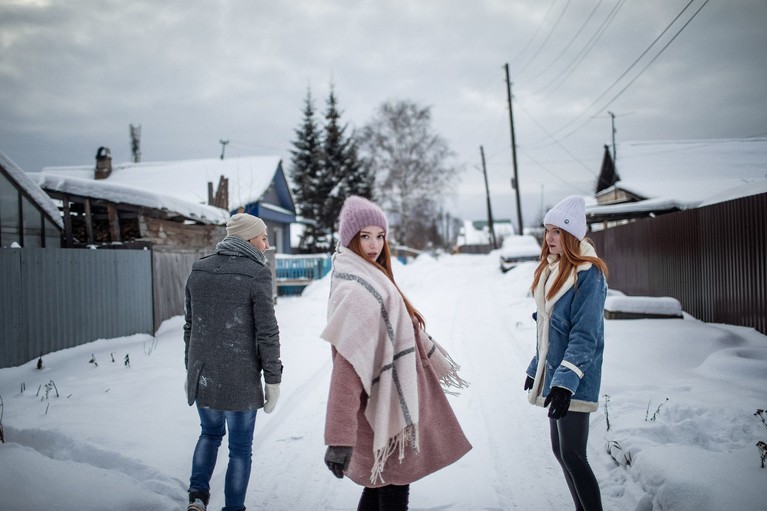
{"points": [[569, 259], [383, 263]]}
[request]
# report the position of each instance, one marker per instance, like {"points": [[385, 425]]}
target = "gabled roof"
{"points": [[689, 172], [29, 188], [249, 177]]}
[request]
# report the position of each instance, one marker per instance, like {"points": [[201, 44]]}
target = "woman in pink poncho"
{"points": [[388, 421]]}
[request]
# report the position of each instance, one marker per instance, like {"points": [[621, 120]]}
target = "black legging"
{"points": [[385, 498], [569, 436]]}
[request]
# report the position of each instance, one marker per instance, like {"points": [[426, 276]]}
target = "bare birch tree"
{"points": [[410, 164]]}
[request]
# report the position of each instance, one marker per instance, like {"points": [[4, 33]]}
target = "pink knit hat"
{"points": [[356, 214]]}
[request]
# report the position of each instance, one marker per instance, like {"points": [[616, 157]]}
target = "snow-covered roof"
{"points": [[124, 194], [690, 172], [249, 177], [31, 188], [628, 209]]}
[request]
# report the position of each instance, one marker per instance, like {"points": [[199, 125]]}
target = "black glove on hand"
{"points": [[337, 459], [560, 402], [528, 383]]}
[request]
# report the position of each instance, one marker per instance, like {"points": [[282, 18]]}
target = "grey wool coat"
{"points": [[231, 333]]}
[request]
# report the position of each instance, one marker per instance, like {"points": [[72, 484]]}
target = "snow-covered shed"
{"points": [[28, 217], [202, 191], [657, 177]]}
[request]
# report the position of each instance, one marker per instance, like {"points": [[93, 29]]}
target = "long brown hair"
{"points": [[383, 263], [569, 259]]}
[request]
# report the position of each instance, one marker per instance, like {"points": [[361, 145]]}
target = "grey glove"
{"points": [[272, 394], [337, 459]]}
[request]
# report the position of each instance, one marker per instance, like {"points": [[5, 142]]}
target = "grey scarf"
{"points": [[232, 245]]}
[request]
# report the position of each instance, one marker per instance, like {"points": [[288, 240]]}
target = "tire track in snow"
{"points": [[490, 332]]}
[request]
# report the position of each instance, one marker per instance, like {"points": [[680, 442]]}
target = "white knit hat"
{"points": [[244, 226], [569, 215]]}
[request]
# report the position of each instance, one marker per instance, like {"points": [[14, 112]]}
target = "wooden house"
{"points": [[181, 203]]}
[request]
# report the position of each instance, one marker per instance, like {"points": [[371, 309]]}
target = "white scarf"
{"points": [[369, 326]]}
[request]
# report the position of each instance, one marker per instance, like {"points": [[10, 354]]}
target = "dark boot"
{"points": [[198, 501]]}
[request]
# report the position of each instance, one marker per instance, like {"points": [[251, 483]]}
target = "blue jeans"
{"points": [[213, 424]]}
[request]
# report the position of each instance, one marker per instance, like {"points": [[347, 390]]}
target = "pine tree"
{"points": [[343, 172], [306, 174]]}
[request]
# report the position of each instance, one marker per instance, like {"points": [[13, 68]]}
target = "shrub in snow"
{"points": [[616, 452], [762, 446], [607, 412], [2, 436], [654, 415]]}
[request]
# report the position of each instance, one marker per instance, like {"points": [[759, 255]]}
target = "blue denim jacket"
{"points": [[576, 342]]}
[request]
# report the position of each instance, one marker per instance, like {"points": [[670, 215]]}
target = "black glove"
{"points": [[528, 383], [560, 401], [337, 459]]}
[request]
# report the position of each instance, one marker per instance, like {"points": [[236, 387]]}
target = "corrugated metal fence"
{"points": [[170, 269], [712, 259], [51, 299]]}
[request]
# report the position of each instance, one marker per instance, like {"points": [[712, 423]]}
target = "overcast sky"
{"points": [[74, 74]]}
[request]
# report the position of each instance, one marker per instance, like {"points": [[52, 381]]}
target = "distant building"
{"points": [[28, 217]]}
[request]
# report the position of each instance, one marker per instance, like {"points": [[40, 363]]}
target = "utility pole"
{"points": [[615, 156], [489, 208], [223, 146], [515, 179]]}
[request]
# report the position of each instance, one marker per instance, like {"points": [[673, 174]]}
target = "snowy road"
{"points": [[489, 332], [109, 436]]}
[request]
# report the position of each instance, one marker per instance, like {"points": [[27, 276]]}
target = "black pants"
{"points": [[385, 498], [569, 436]]}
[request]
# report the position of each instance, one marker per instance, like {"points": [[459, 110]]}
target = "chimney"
{"points": [[103, 163]]}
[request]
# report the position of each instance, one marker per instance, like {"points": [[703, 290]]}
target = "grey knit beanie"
{"points": [[244, 226]]}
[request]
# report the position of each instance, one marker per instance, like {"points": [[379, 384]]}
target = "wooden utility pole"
{"points": [[515, 179], [223, 146], [489, 208], [615, 156]]}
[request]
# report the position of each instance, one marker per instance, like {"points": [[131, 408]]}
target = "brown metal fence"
{"points": [[712, 259]]}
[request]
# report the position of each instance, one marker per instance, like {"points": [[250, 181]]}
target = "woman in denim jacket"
{"points": [[569, 288]]}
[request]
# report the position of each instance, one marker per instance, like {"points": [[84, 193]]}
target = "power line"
{"points": [[553, 174], [583, 112], [532, 38], [569, 43], [546, 39], [556, 141], [636, 61], [583, 53], [652, 60]]}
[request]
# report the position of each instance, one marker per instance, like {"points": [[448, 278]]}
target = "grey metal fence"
{"points": [[712, 259], [52, 298], [170, 269]]}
